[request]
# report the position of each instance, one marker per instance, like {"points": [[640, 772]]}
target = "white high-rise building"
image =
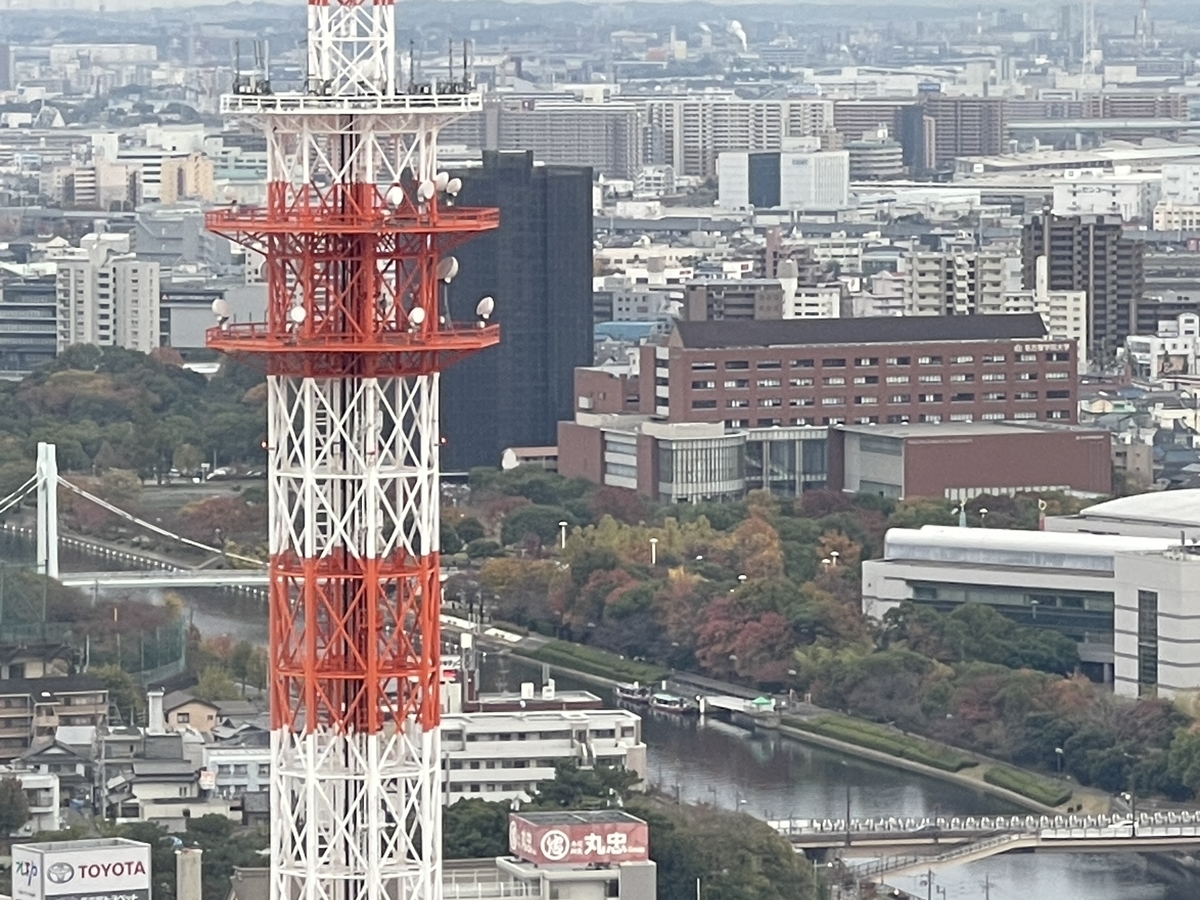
{"points": [[106, 295], [786, 179]]}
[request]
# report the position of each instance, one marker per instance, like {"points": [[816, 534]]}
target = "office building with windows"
{"points": [[726, 407], [538, 267], [1132, 604], [505, 755], [28, 314], [881, 370]]}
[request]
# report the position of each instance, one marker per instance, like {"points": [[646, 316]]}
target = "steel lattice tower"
{"points": [[355, 233]]}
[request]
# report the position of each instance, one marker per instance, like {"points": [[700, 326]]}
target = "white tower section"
{"points": [[352, 49], [356, 228]]}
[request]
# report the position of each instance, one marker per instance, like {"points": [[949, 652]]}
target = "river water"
{"points": [[773, 777]]}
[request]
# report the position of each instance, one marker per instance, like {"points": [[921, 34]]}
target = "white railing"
{"points": [[1185, 823]]}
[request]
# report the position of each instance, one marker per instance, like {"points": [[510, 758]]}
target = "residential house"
{"points": [[42, 794], [72, 767], [182, 710]]}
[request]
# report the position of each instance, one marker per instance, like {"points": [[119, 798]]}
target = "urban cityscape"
{"points": [[471, 451]]}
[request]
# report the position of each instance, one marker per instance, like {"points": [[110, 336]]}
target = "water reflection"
{"points": [[1062, 876], [769, 776]]}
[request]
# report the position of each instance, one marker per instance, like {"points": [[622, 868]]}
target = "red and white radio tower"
{"points": [[356, 233]]}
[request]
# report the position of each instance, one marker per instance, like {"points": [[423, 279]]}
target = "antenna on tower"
{"points": [[412, 66]]}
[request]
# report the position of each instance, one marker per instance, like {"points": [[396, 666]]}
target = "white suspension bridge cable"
{"points": [[130, 517], [18, 495]]}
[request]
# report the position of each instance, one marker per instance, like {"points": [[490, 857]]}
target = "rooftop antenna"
{"points": [[466, 80], [450, 61], [412, 64]]}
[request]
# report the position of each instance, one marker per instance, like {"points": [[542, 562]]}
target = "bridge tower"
{"points": [[356, 234]]}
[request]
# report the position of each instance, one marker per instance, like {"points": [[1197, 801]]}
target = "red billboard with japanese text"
{"points": [[578, 842]]}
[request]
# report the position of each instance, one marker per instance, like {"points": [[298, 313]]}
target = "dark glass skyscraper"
{"points": [[538, 267]]}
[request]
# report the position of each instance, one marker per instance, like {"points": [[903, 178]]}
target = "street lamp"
{"points": [[654, 551], [1058, 756], [983, 517], [741, 579], [562, 535], [1033, 605], [846, 778], [833, 555]]}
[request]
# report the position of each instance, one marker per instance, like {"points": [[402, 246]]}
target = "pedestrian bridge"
{"points": [[877, 832], [979, 837], [170, 578]]}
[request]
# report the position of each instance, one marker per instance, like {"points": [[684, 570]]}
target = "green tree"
{"points": [[121, 487], [123, 690], [734, 856], [451, 542], [14, 807], [187, 458], [470, 529], [475, 829], [576, 788], [537, 520], [1183, 759], [215, 684]]}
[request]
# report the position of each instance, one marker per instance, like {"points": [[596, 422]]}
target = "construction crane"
{"points": [[357, 231]]}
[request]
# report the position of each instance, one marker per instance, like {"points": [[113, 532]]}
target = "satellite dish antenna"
{"points": [[441, 180], [220, 308], [298, 314], [485, 308], [447, 269], [416, 315], [394, 196], [453, 186]]}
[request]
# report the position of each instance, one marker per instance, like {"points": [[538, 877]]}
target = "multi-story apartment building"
{"points": [[692, 131], [733, 299], [966, 126], [32, 709], [1089, 254], [559, 129], [503, 755], [959, 281], [106, 295]]}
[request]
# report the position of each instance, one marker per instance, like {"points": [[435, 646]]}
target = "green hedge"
{"points": [[885, 740], [1048, 793], [597, 662]]}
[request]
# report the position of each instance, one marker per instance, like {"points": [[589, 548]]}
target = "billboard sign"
{"points": [[112, 869], [580, 842]]}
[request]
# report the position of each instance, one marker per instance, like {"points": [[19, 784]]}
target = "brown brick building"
{"points": [[729, 407], [820, 372]]}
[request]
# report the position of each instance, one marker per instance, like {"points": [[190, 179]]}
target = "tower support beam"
{"points": [[356, 230]]}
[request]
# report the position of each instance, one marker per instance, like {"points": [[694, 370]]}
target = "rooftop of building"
{"points": [[919, 430], [579, 817], [1181, 508], [538, 717], [1014, 548], [51, 687], [870, 330]]}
